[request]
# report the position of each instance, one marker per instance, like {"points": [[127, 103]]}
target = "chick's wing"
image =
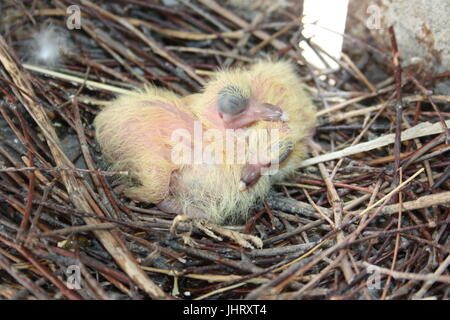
{"points": [[135, 133]]}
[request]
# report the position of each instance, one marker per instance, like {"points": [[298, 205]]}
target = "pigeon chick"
{"points": [[136, 133], [144, 132]]}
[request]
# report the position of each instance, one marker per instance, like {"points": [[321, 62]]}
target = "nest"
{"points": [[367, 216]]}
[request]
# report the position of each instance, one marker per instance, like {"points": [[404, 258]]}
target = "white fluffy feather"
{"points": [[47, 45]]}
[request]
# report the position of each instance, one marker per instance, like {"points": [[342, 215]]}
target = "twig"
{"points": [[58, 169], [76, 229], [89, 83], [420, 130], [406, 275], [434, 277]]}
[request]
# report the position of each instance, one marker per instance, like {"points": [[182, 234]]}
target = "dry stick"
{"points": [[336, 204], [345, 116], [359, 112], [407, 275], [205, 15], [277, 44], [342, 105], [397, 239], [393, 191], [50, 253], [420, 130], [263, 43], [220, 290], [359, 137], [429, 242], [378, 185], [76, 229], [22, 279], [324, 216], [31, 178], [285, 250], [156, 48], [442, 268], [93, 284], [245, 266], [43, 270], [295, 268], [121, 53], [321, 54], [37, 214], [80, 214], [20, 137], [59, 169], [116, 49], [442, 178], [231, 54], [89, 83], [119, 285], [22, 293], [88, 159], [57, 194], [103, 68], [243, 41], [195, 36], [427, 93], [434, 151], [294, 232], [348, 241], [154, 247], [320, 275], [417, 154], [423, 149], [225, 279], [111, 46], [37, 112], [441, 198], [359, 74], [398, 97]]}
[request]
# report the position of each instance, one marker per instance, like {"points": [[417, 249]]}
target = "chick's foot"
{"points": [[214, 231]]}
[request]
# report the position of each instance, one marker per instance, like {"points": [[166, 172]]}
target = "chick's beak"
{"points": [[254, 112], [269, 112], [250, 175]]}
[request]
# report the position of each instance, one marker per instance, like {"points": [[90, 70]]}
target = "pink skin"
{"points": [[251, 173], [143, 133], [254, 112]]}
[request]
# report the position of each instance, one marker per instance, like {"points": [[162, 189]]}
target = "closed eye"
{"points": [[232, 105], [232, 101]]}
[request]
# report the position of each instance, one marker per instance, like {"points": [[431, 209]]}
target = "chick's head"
{"points": [[277, 83], [228, 102]]}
